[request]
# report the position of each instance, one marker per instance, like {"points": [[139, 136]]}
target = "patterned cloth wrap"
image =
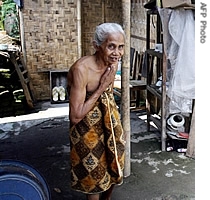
{"points": [[97, 147]]}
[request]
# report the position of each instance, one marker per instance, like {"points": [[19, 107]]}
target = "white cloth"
{"points": [[179, 32]]}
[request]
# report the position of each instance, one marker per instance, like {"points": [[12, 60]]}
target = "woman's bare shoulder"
{"points": [[80, 69], [82, 64]]}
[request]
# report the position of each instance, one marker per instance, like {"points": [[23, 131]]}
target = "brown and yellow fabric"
{"points": [[97, 148]]}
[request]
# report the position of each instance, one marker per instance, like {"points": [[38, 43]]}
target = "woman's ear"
{"points": [[96, 47]]}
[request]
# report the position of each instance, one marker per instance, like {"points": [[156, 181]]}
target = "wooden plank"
{"points": [[163, 105], [30, 85], [154, 91], [22, 80], [191, 141], [142, 38]]}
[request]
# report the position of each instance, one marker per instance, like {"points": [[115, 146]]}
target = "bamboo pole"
{"points": [[125, 98], [103, 14], [79, 30], [22, 34]]}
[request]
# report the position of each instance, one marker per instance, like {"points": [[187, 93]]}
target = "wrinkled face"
{"points": [[112, 49]]}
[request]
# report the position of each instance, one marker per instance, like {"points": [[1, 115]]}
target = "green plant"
{"points": [[8, 6], [9, 18]]}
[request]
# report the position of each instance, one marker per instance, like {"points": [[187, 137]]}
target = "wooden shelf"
{"points": [[160, 67], [155, 53], [157, 66]]}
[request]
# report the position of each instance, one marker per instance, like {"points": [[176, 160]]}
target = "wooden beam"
{"points": [[191, 141], [142, 38], [125, 95]]}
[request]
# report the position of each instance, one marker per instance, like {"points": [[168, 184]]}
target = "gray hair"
{"points": [[103, 30]]}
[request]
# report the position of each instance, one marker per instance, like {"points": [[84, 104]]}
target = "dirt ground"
{"points": [[155, 175]]}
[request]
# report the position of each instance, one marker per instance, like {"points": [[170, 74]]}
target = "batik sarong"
{"points": [[97, 148]]}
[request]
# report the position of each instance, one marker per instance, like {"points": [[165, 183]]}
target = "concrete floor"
{"points": [[41, 140]]}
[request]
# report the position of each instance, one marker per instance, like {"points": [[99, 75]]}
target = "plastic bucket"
{"points": [[19, 181]]}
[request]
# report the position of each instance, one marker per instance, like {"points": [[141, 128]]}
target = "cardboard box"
{"points": [[176, 3]]}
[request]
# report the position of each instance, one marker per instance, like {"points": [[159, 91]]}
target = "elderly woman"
{"points": [[96, 135]]}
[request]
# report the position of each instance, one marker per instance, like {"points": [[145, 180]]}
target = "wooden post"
{"points": [[163, 103], [79, 30], [125, 97], [22, 34], [191, 141]]}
